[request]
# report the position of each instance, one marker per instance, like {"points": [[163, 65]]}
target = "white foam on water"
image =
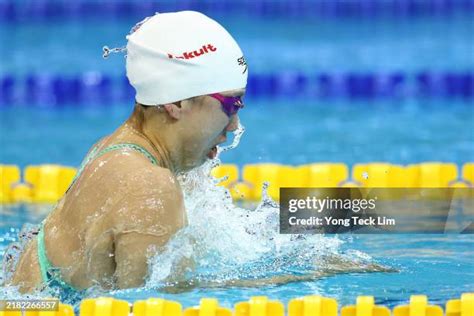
{"points": [[225, 243]]}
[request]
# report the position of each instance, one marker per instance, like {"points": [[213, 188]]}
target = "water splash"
{"points": [[15, 249], [239, 131], [227, 245]]}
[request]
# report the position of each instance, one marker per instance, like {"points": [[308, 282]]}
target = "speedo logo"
{"points": [[205, 49]]}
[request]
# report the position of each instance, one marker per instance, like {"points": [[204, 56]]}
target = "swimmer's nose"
{"points": [[233, 123]]}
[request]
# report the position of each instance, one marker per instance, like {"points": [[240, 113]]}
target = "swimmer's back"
{"points": [[120, 200]]}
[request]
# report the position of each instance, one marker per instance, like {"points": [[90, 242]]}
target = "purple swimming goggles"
{"points": [[230, 105]]}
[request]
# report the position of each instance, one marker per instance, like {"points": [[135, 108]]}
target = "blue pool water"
{"points": [[440, 266], [396, 132], [289, 130]]}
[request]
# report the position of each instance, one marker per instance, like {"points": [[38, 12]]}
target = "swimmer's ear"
{"points": [[173, 109]]}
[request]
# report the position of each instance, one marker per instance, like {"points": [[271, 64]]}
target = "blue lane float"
{"points": [[97, 88], [45, 89], [12, 10], [7, 86]]}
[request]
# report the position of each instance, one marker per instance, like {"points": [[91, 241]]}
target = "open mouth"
{"points": [[212, 153]]}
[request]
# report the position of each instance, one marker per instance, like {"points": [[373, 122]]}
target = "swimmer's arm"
{"points": [[179, 287], [156, 213], [289, 278], [131, 255]]}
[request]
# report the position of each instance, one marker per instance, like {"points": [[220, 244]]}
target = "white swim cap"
{"points": [[179, 55]]}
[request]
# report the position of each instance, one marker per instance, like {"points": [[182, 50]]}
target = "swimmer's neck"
{"points": [[133, 130]]}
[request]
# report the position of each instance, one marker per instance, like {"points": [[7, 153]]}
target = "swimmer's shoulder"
{"points": [[133, 171], [137, 167], [146, 191]]}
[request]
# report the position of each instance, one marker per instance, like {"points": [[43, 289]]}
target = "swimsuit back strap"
{"points": [[48, 275], [135, 147], [93, 154], [44, 263]]}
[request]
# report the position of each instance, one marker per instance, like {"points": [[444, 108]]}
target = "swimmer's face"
{"points": [[204, 126]]}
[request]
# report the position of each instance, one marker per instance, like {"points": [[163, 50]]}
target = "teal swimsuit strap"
{"points": [[44, 263], [94, 154], [46, 268], [135, 147]]}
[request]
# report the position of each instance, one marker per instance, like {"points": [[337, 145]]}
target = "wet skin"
{"points": [[123, 209]]}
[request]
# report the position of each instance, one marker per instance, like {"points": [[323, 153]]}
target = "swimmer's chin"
{"points": [[190, 165], [204, 159]]}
